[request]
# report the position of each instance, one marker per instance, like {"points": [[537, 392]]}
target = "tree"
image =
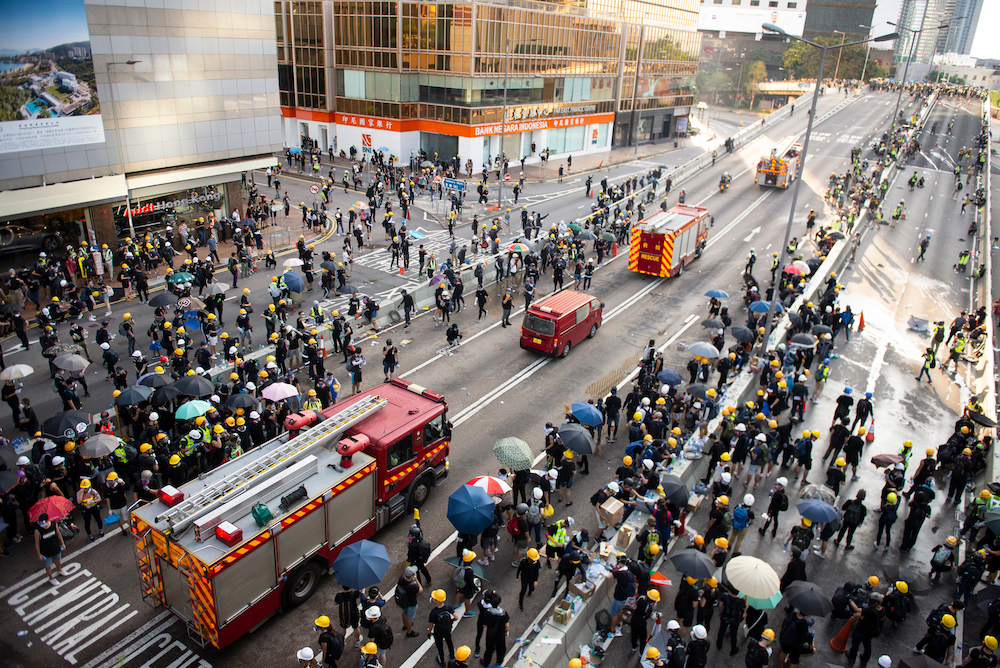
{"points": [[937, 75], [756, 73], [803, 60]]}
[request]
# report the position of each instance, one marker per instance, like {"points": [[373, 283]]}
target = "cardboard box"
{"points": [[605, 550], [562, 612], [612, 511], [582, 587], [625, 535]]}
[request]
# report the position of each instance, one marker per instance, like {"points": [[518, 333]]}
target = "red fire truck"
{"points": [[664, 242], [781, 167], [209, 552]]}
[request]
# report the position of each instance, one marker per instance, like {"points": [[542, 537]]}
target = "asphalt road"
{"points": [[495, 389]]}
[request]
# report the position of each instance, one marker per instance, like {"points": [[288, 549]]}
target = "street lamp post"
{"points": [[120, 138], [840, 52], [868, 54], [770, 27], [503, 120]]}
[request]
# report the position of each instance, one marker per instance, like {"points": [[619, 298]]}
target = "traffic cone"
{"points": [[861, 322], [322, 346], [401, 271], [839, 643]]}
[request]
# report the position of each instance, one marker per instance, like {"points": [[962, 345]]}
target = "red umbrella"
{"points": [[56, 507], [490, 484], [792, 269]]}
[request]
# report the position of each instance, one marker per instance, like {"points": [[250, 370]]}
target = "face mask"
{"points": [[43, 525]]}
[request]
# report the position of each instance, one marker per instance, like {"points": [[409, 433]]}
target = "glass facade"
{"points": [[448, 61]]}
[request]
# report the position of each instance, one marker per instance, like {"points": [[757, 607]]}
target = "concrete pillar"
{"points": [[103, 220]]}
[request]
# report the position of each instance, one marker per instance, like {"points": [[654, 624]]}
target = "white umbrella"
{"points": [[15, 371], [293, 262], [490, 484], [279, 391], [752, 577]]}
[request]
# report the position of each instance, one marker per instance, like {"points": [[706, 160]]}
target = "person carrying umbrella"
{"points": [[49, 546], [465, 581]]}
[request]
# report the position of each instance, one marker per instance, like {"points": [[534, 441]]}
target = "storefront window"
{"points": [[154, 214]]}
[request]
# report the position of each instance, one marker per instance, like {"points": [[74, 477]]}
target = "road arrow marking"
{"points": [[754, 231]]}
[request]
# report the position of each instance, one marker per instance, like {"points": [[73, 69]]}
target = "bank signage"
{"points": [[164, 205]]}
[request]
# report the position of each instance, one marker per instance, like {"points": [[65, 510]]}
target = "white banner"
{"points": [[750, 19]]}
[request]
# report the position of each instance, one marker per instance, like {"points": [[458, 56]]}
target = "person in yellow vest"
{"points": [[312, 403], [957, 348]]}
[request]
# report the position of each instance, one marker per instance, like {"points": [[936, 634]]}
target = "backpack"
{"points": [[852, 516], [741, 518], [458, 577], [512, 528], [444, 621], [121, 328], [801, 538], [727, 521], [788, 635], [652, 538], [784, 501], [401, 598], [424, 550], [677, 656], [836, 522], [764, 457], [534, 515], [802, 447]]}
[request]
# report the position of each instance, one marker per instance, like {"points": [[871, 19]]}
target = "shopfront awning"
{"points": [[168, 181], [59, 196]]}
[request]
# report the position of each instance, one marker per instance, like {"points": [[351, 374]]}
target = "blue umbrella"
{"points": [[669, 377], [295, 150], [717, 294], [294, 282], [416, 234], [763, 603], [816, 510], [361, 564], [763, 307], [470, 509], [586, 413]]}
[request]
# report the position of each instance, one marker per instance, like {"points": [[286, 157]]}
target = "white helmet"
{"points": [[373, 613], [305, 654], [672, 625], [614, 487], [553, 474], [215, 398], [254, 415], [570, 521], [760, 437], [194, 433], [783, 481], [537, 493], [645, 401], [699, 632], [58, 461], [885, 661], [648, 463], [136, 353], [748, 500], [23, 461], [741, 427], [251, 386], [154, 416], [727, 477]]}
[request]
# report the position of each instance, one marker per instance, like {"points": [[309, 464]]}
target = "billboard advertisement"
{"points": [[48, 93], [749, 19]]}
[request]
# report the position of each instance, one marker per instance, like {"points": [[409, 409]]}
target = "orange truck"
{"points": [[779, 169], [665, 242], [255, 536]]}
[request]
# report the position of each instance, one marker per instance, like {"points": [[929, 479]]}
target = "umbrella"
{"points": [[490, 484], [180, 277], [698, 390], [154, 380], [992, 520], [814, 263], [363, 206], [192, 409], [763, 307], [131, 396], [292, 262], [741, 334], [416, 234], [279, 391], [99, 445], [808, 599], [352, 290], [295, 150], [607, 236], [8, 481], [66, 426], [795, 319], [767, 603], [56, 507], [195, 386], [575, 227], [162, 299], [820, 492], [804, 340], [669, 377], [577, 438], [675, 490], [820, 330], [792, 269], [217, 288], [71, 362], [816, 510], [919, 661], [984, 420], [712, 323], [702, 349], [426, 163], [329, 264], [985, 596], [512, 453], [586, 236], [8, 456], [7, 307], [693, 564], [477, 568], [752, 576], [586, 413], [717, 294], [361, 564], [803, 266], [15, 371], [165, 394], [896, 573], [519, 248], [836, 235], [470, 509], [886, 460], [294, 282], [241, 401], [190, 304]]}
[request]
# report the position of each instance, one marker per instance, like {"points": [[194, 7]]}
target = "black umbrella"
{"points": [[131, 396], [7, 307], [814, 263], [836, 235], [349, 290], [8, 481], [195, 386], [820, 330], [241, 401], [669, 377], [742, 334], [806, 340], [8, 456], [699, 391], [66, 426], [984, 420], [808, 600], [675, 490], [712, 323], [985, 596], [163, 299], [795, 319], [165, 394], [154, 380], [919, 661], [896, 573], [693, 563], [576, 437], [329, 264]]}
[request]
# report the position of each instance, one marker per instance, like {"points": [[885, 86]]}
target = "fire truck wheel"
{"points": [[421, 490], [593, 332], [565, 350], [302, 583]]}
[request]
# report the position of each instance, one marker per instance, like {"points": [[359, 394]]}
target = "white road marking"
{"points": [[736, 221], [752, 232], [162, 621]]}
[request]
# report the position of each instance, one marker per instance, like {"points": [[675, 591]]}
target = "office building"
{"points": [[834, 18], [155, 130], [404, 77], [926, 16]]}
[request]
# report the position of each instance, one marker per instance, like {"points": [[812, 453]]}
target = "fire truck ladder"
{"points": [[186, 512], [148, 569], [200, 622]]}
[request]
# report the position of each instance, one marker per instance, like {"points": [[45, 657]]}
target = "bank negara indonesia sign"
{"points": [[48, 92]]}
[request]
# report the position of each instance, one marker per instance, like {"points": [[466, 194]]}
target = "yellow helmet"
{"points": [[175, 460], [533, 554], [873, 581], [312, 393], [145, 447], [841, 461], [690, 580], [651, 653], [468, 556], [990, 642], [575, 663], [112, 476], [902, 587], [218, 429], [768, 633], [627, 461], [84, 484], [463, 653], [127, 316], [722, 542], [370, 648], [637, 415], [654, 594], [439, 595], [807, 522], [725, 456], [322, 622], [712, 582], [985, 494], [948, 621], [724, 500]]}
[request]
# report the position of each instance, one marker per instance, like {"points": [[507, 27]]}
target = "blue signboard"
{"points": [[454, 184]]}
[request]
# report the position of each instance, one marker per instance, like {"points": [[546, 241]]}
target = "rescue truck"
{"points": [[254, 537], [781, 167], [665, 242]]}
